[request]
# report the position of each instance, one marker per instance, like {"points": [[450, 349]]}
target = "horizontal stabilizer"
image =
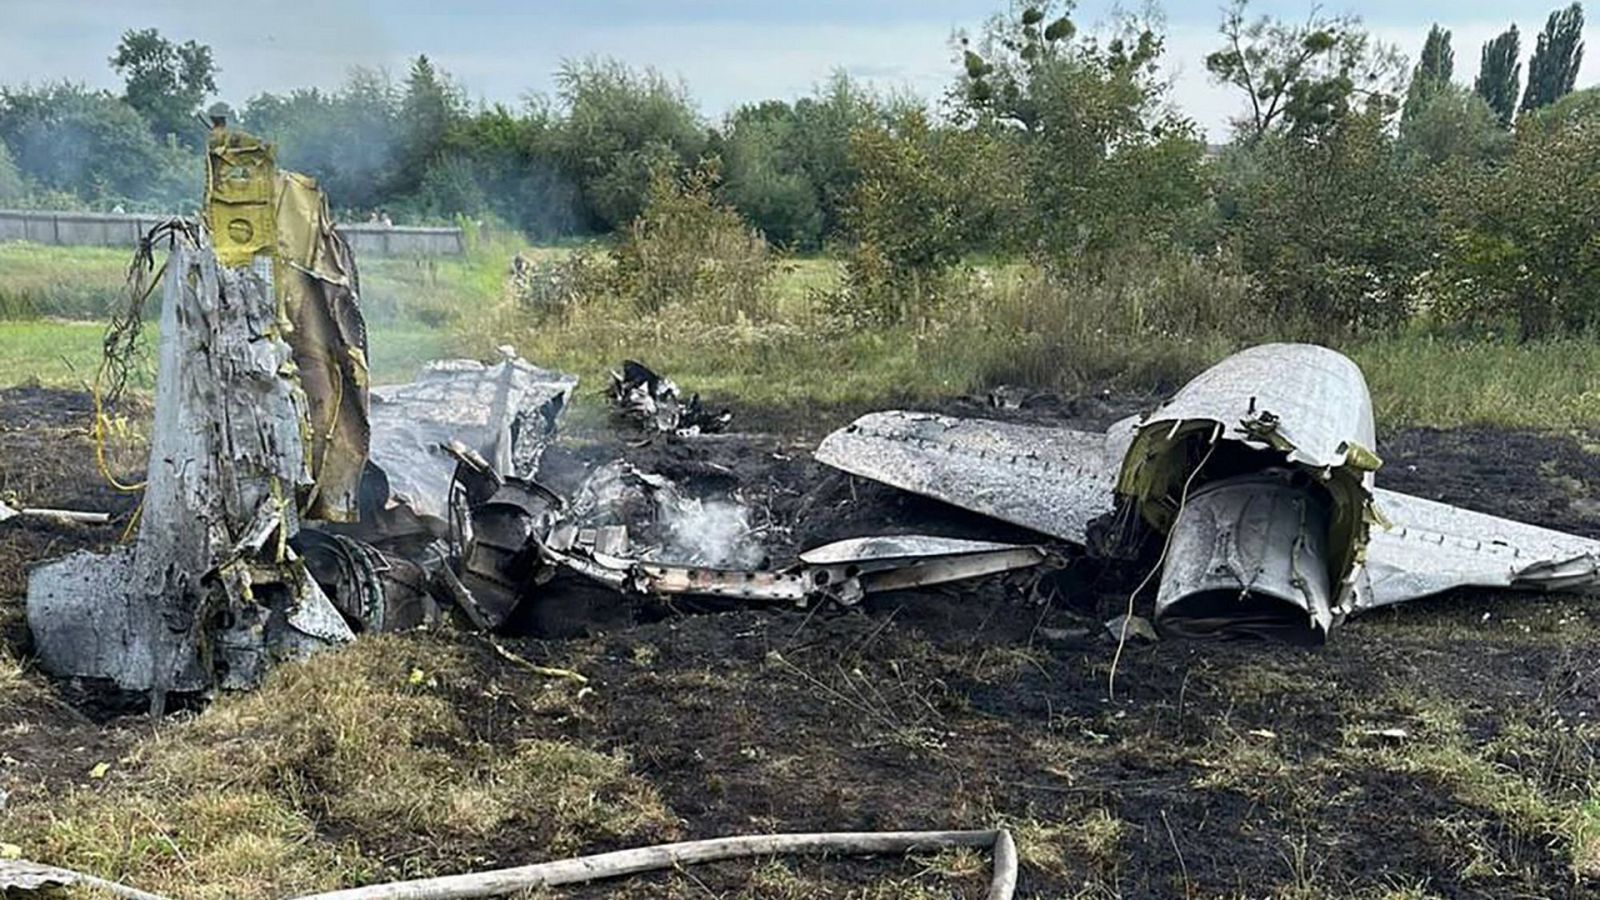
{"points": [[1428, 547]]}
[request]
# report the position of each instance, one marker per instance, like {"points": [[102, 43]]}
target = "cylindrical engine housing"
{"points": [[1248, 557]]}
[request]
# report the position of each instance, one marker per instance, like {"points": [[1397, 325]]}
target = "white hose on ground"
{"points": [[500, 882]]}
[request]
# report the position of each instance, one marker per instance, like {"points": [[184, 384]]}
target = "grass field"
{"points": [[422, 309]]}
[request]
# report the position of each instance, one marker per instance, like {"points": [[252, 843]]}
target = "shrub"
{"points": [[1521, 248], [689, 248]]}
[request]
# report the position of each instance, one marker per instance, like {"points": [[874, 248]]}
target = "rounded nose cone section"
{"points": [[1247, 558]]}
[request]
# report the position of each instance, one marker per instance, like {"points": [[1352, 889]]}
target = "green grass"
{"points": [[58, 353], [71, 282], [419, 309], [1446, 383]]}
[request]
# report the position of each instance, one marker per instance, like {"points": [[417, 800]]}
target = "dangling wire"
{"points": [[1183, 499], [123, 340]]}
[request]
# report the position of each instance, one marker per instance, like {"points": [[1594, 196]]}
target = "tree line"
{"points": [[1355, 190]]}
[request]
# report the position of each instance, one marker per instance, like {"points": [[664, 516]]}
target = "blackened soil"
{"points": [[1436, 747]]}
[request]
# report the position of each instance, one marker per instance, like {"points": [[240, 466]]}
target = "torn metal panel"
{"points": [[505, 412], [655, 403], [319, 290], [1300, 404], [843, 572], [1315, 399], [1248, 565], [1052, 480], [278, 224]]}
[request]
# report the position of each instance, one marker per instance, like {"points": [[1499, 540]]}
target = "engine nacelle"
{"points": [[1260, 470], [1248, 556]]}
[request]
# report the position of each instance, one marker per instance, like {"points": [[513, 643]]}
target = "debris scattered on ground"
{"points": [[1132, 627], [655, 404]]}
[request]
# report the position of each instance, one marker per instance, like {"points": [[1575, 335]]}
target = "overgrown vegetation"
{"points": [[1052, 220]]}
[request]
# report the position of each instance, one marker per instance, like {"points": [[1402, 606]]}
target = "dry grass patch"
{"points": [[1092, 841], [336, 771]]}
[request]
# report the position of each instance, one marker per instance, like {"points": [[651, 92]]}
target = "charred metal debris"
{"points": [[291, 506], [654, 403]]}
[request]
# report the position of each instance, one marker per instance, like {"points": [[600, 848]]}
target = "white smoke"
{"points": [[709, 532], [665, 524]]}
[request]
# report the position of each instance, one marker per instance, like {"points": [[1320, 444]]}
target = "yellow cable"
{"points": [[101, 422]]}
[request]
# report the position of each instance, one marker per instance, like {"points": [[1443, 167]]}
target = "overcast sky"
{"points": [[727, 52]]}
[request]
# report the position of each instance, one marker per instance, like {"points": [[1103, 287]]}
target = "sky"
{"points": [[726, 52]]}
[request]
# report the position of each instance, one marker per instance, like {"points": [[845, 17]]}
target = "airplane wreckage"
{"points": [[290, 505]]}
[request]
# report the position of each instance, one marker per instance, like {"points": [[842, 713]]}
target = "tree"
{"points": [[1433, 71], [787, 168], [68, 138], [1522, 247], [1553, 69], [620, 126], [513, 161], [1327, 229], [765, 179], [166, 82], [430, 106], [1500, 75], [1452, 123], [1302, 77], [1082, 121], [349, 139], [12, 187]]}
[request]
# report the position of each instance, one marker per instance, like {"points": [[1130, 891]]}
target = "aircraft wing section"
{"points": [[1429, 547], [1052, 480]]}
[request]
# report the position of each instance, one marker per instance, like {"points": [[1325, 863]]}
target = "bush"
{"points": [[1329, 230], [687, 248]]}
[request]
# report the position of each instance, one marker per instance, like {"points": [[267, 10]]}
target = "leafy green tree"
{"points": [[68, 138], [1500, 75], [926, 195], [1522, 249], [787, 167], [514, 163], [620, 126], [166, 82], [1432, 73], [430, 106], [1553, 69], [349, 139], [765, 180], [1099, 155], [1452, 123], [1328, 229], [1303, 78]]}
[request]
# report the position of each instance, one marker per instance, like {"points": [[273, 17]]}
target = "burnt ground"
{"points": [[1446, 748]]}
